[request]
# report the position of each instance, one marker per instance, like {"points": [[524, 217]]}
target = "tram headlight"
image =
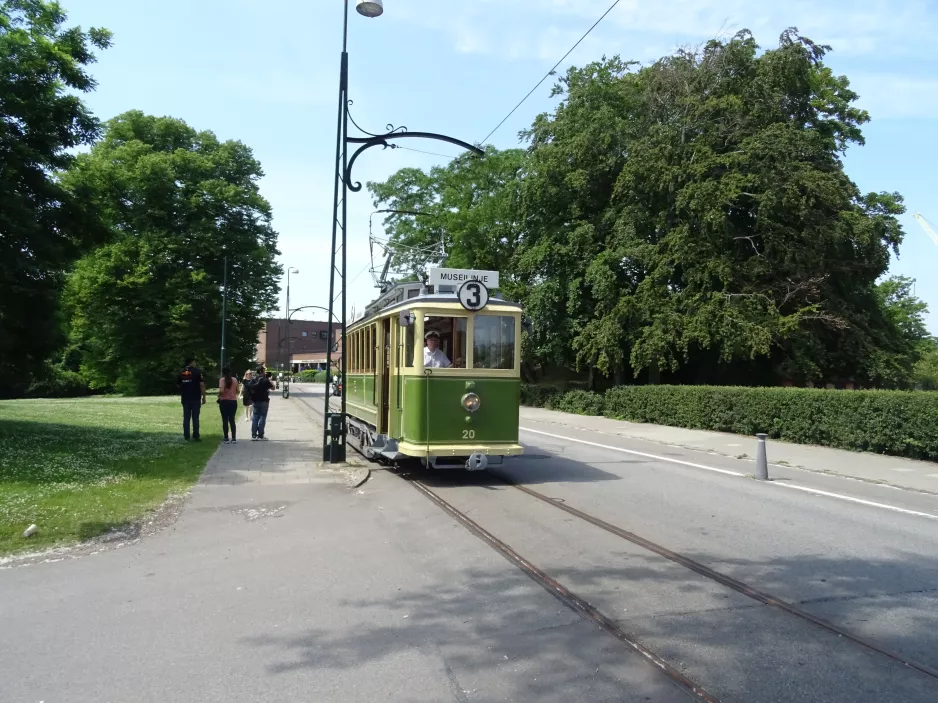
{"points": [[471, 402]]}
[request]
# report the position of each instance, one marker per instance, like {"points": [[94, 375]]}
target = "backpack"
{"points": [[253, 389]]}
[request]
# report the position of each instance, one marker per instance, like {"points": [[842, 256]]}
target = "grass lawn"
{"points": [[77, 468]]}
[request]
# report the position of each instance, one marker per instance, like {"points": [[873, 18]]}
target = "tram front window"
{"points": [[444, 342], [493, 344]]}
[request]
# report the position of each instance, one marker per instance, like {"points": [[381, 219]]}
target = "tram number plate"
{"points": [[468, 434], [473, 295]]}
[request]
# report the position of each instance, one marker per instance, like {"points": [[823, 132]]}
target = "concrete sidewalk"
{"points": [[291, 455], [912, 475]]}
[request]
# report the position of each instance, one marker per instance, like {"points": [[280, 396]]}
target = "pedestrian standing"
{"points": [[260, 395], [192, 393], [228, 404], [246, 395]]}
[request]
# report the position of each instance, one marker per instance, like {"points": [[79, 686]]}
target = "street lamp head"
{"points": [[369, 8]]}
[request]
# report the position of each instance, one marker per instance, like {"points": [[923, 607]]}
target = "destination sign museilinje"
{"points": [[456, 277]]}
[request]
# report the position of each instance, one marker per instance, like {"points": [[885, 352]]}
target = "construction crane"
{"points": [[926, 225]]}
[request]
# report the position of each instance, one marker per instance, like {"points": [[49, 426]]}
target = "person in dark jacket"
{"points": [[192, 393], [260, 397]]}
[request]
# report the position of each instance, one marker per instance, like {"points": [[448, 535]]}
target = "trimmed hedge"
{"points": [[899, 423], [539, 396], [311, 376], [579, 402]]}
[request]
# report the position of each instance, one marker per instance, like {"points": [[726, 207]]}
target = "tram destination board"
{"points": [[457, 277]]}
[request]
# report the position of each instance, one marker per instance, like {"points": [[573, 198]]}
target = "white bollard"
{"points": [[762, 464]]}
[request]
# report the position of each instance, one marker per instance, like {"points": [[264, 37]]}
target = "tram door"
{"points": [[385, 378]]}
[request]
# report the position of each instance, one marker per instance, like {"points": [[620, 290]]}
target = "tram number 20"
{"points": [[468, 434]]}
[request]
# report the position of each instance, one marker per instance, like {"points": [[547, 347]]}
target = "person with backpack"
{"points": [[260, 399]]}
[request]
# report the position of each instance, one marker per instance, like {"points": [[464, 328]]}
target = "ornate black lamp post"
{"points": [[335, 423]]}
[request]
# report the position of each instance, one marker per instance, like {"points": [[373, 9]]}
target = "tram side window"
{"points": [[409, 347], [451, 351], [358, 352], [493, 346]]}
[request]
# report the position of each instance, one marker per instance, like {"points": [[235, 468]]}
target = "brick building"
{"points": [[309, 341]]}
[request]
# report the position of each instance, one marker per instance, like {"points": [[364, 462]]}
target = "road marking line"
{"points": [[737, 473], [857, 500], [903, 471], [932, 475], [632, 451]]}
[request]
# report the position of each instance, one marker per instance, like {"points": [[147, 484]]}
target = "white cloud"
{"points": [[526, 29]]}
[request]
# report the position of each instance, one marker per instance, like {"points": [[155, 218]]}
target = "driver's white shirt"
{"points": [[435, 359]]}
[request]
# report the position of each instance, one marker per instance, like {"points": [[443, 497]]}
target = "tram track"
{"points": [[565, 595], [583, 608], [721, 578]]}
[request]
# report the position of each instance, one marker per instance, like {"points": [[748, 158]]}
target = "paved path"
{"points": [[288, 456], [902, 473]]}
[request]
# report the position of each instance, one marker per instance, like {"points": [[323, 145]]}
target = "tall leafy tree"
{"points": [[43, 71], [698, 214], [177, 201]]}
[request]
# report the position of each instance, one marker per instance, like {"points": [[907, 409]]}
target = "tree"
{"points": [[698, 212], [43, 228], [470, 210], [177, 201], [925, 374], [895, 361]]}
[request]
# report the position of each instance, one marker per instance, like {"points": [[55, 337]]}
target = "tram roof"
{"points": [[429, 300]]}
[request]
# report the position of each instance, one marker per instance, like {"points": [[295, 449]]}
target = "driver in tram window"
{"points": [[433, 356]]}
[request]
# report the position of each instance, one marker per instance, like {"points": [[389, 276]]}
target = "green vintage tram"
{"points": [[460, 409]]}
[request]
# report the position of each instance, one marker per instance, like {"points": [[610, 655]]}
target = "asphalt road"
{"points": [[345, 595]]}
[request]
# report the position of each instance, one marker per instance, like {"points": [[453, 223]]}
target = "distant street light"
{"points": [[224, 314], [289, 357]]}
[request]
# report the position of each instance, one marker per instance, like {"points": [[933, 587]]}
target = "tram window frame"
{"points": [[451, 329], [501, 350]]}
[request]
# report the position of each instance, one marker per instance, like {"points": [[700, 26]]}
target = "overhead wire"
{"points": [[421, 151], [550, 72]]}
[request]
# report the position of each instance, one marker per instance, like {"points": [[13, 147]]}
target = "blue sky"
{"points": [[266, 73]]}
